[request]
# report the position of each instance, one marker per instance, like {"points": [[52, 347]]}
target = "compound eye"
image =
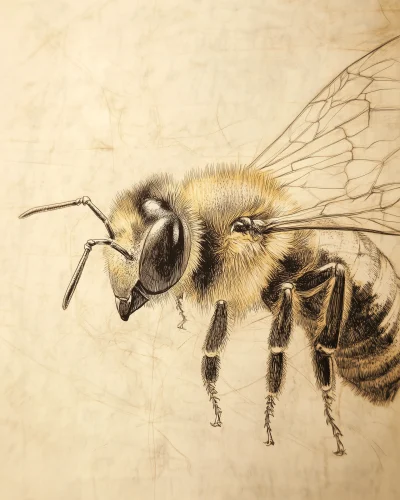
{"points": [[164, 256]]}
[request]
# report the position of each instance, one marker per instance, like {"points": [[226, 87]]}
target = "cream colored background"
{"points": [[94, 96]]}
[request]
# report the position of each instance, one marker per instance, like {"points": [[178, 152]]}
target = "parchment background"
{"points": [[94, 96]]}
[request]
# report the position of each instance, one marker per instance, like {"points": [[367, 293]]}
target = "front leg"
{"points": [[327, 341], [213, 345], [278, 342], [179, 308]]}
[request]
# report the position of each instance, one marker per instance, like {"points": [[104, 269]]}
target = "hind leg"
{"points": [[327, 341]]}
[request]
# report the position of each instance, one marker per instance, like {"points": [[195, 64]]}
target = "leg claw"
{"points": [[270, 441], [216, 424], [340, 449]]}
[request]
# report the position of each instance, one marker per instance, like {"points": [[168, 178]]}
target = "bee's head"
{"points": [[157, 237]]}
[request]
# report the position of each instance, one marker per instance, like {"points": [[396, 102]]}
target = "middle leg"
{"points": [[278, 342]]}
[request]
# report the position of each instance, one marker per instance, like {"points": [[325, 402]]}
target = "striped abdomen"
{"points": [[368, 356]]}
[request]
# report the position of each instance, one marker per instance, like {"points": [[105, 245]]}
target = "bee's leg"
{"points": [[278, 341], [214, 343], [327, 341], [179, 307]]}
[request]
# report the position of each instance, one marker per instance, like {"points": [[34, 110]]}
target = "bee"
{"points": [[286, 233]]}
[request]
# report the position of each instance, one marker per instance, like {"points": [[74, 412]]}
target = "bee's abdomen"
{"points": [[369, 349]]}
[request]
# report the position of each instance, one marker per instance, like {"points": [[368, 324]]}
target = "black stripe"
{"points": [[209, 267]]}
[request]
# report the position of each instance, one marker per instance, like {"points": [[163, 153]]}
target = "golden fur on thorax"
{"points": [[220, 195], [209, 200]]}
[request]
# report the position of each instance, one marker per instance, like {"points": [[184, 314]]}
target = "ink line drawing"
{"points": [[287, 233]]}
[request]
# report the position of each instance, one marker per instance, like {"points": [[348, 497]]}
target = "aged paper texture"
{"points": [[95, 96]]}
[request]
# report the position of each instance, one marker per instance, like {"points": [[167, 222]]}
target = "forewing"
{"points": [[343, 151], [376, 212]]}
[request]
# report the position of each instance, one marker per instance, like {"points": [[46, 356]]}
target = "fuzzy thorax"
{"points": [[234, 266]]}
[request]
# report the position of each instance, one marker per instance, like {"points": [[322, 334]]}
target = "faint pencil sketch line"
{"points": [[188, 464], [238, 389], [152, 447], [187, 340]]}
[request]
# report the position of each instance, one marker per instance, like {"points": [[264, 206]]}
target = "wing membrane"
{"points": [[343, 151], [377, 212]]}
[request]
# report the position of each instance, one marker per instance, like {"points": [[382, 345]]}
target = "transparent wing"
{"points": [[377, 212], [340, 158]]}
